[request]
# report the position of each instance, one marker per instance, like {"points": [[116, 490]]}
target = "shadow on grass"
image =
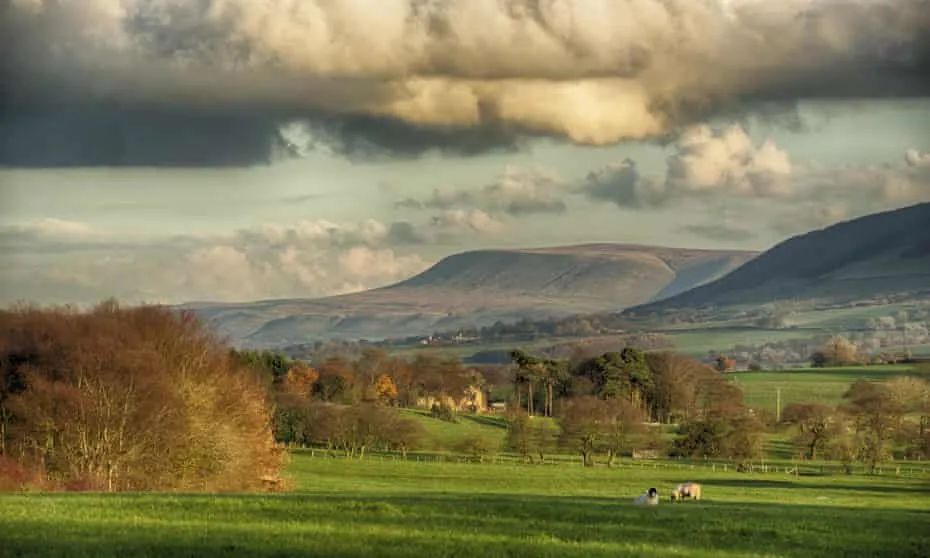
{"points": [[483, 420], [877, 487]]}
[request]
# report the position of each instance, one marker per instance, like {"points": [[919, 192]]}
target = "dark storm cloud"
{"points": [[171, 82]]}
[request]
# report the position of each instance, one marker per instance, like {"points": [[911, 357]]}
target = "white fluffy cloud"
{"points": [[306, 259], [705, 162], [591, 71], [727, 160]]}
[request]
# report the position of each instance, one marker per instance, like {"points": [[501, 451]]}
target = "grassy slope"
{"points": [[352, 508], [443, 435]]}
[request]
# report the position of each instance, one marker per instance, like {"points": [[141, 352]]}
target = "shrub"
{"points": [[477, 447], [443, 411]]}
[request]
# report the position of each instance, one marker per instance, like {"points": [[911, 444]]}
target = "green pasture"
{"points": [[442, 435], [820, 385], [340, 507]]}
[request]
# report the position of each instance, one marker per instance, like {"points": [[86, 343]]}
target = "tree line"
{"points": [[602, 404], [872, 418]]}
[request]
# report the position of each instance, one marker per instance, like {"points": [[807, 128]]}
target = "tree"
{"points": [[582, 424], [838, 351], [530, 370], [385, 390], [133, 399], [912, 394], [519, 434], [402, 434], [336, 382], [876, 415], [723, 363], [816, 425], [819, 359], [622, 422], [623, 374], [476, 446], [678, 380], [299, 379], [544, 437], [735, 437]]}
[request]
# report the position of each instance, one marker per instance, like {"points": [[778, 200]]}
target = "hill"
{"points": [[474, 289], [870, 257]]}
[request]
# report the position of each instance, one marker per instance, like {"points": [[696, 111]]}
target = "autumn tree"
{"points": [[723, 363], [299, 380], [839, 351], [336, 382], [875, 415], [679, 382], [132, 399], [385, 389], [402, 434]]}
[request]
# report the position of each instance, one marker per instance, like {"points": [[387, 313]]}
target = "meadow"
{"points": [[811, 385], [340, 507], [436, 504]]}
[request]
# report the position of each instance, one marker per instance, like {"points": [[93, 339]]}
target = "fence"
{"points": [[715, 466]]}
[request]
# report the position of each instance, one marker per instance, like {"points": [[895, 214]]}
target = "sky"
{"points": [[230, 150]]}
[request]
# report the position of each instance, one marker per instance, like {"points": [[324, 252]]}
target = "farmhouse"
{"points": [[474, 400]]}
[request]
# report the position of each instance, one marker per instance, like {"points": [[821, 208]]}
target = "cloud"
{"points": [[461, 220], [915, 158], [171, 82], [622, 184], [721, 167], [709, 160], [517, 191], [308, 258], [520, 191], [706, 161], [719, 231], [403, 232]]}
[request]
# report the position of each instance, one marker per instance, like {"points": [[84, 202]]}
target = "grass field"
{"points": [[348, 508], [442, 435], [822, 385]]}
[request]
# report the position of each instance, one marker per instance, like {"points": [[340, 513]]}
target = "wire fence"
{"points": [[893, 469]]}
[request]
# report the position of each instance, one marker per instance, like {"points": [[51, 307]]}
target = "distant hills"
{"points": [[874, 256], [474, 289]]}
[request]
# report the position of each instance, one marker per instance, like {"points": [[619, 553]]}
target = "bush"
{"points": [[477, 447], [131, 399], [443, 411]]}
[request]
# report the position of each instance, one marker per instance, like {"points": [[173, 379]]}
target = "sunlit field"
{"points": [[820, 385], [341, 507]]}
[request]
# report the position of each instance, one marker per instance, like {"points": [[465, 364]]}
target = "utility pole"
{"points": [[778, 404]]}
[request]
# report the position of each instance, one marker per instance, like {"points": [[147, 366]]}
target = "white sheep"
{"points": [[686, 490], [648, 498]]}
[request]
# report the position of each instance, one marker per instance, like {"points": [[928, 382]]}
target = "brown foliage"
{"points": [[130, 399]]}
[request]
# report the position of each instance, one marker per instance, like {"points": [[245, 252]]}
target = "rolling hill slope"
{"points": [[873, 256], [478, 288]]}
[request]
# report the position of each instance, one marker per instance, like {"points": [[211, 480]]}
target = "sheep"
{"points": [[686, 490], [648, 498]]}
